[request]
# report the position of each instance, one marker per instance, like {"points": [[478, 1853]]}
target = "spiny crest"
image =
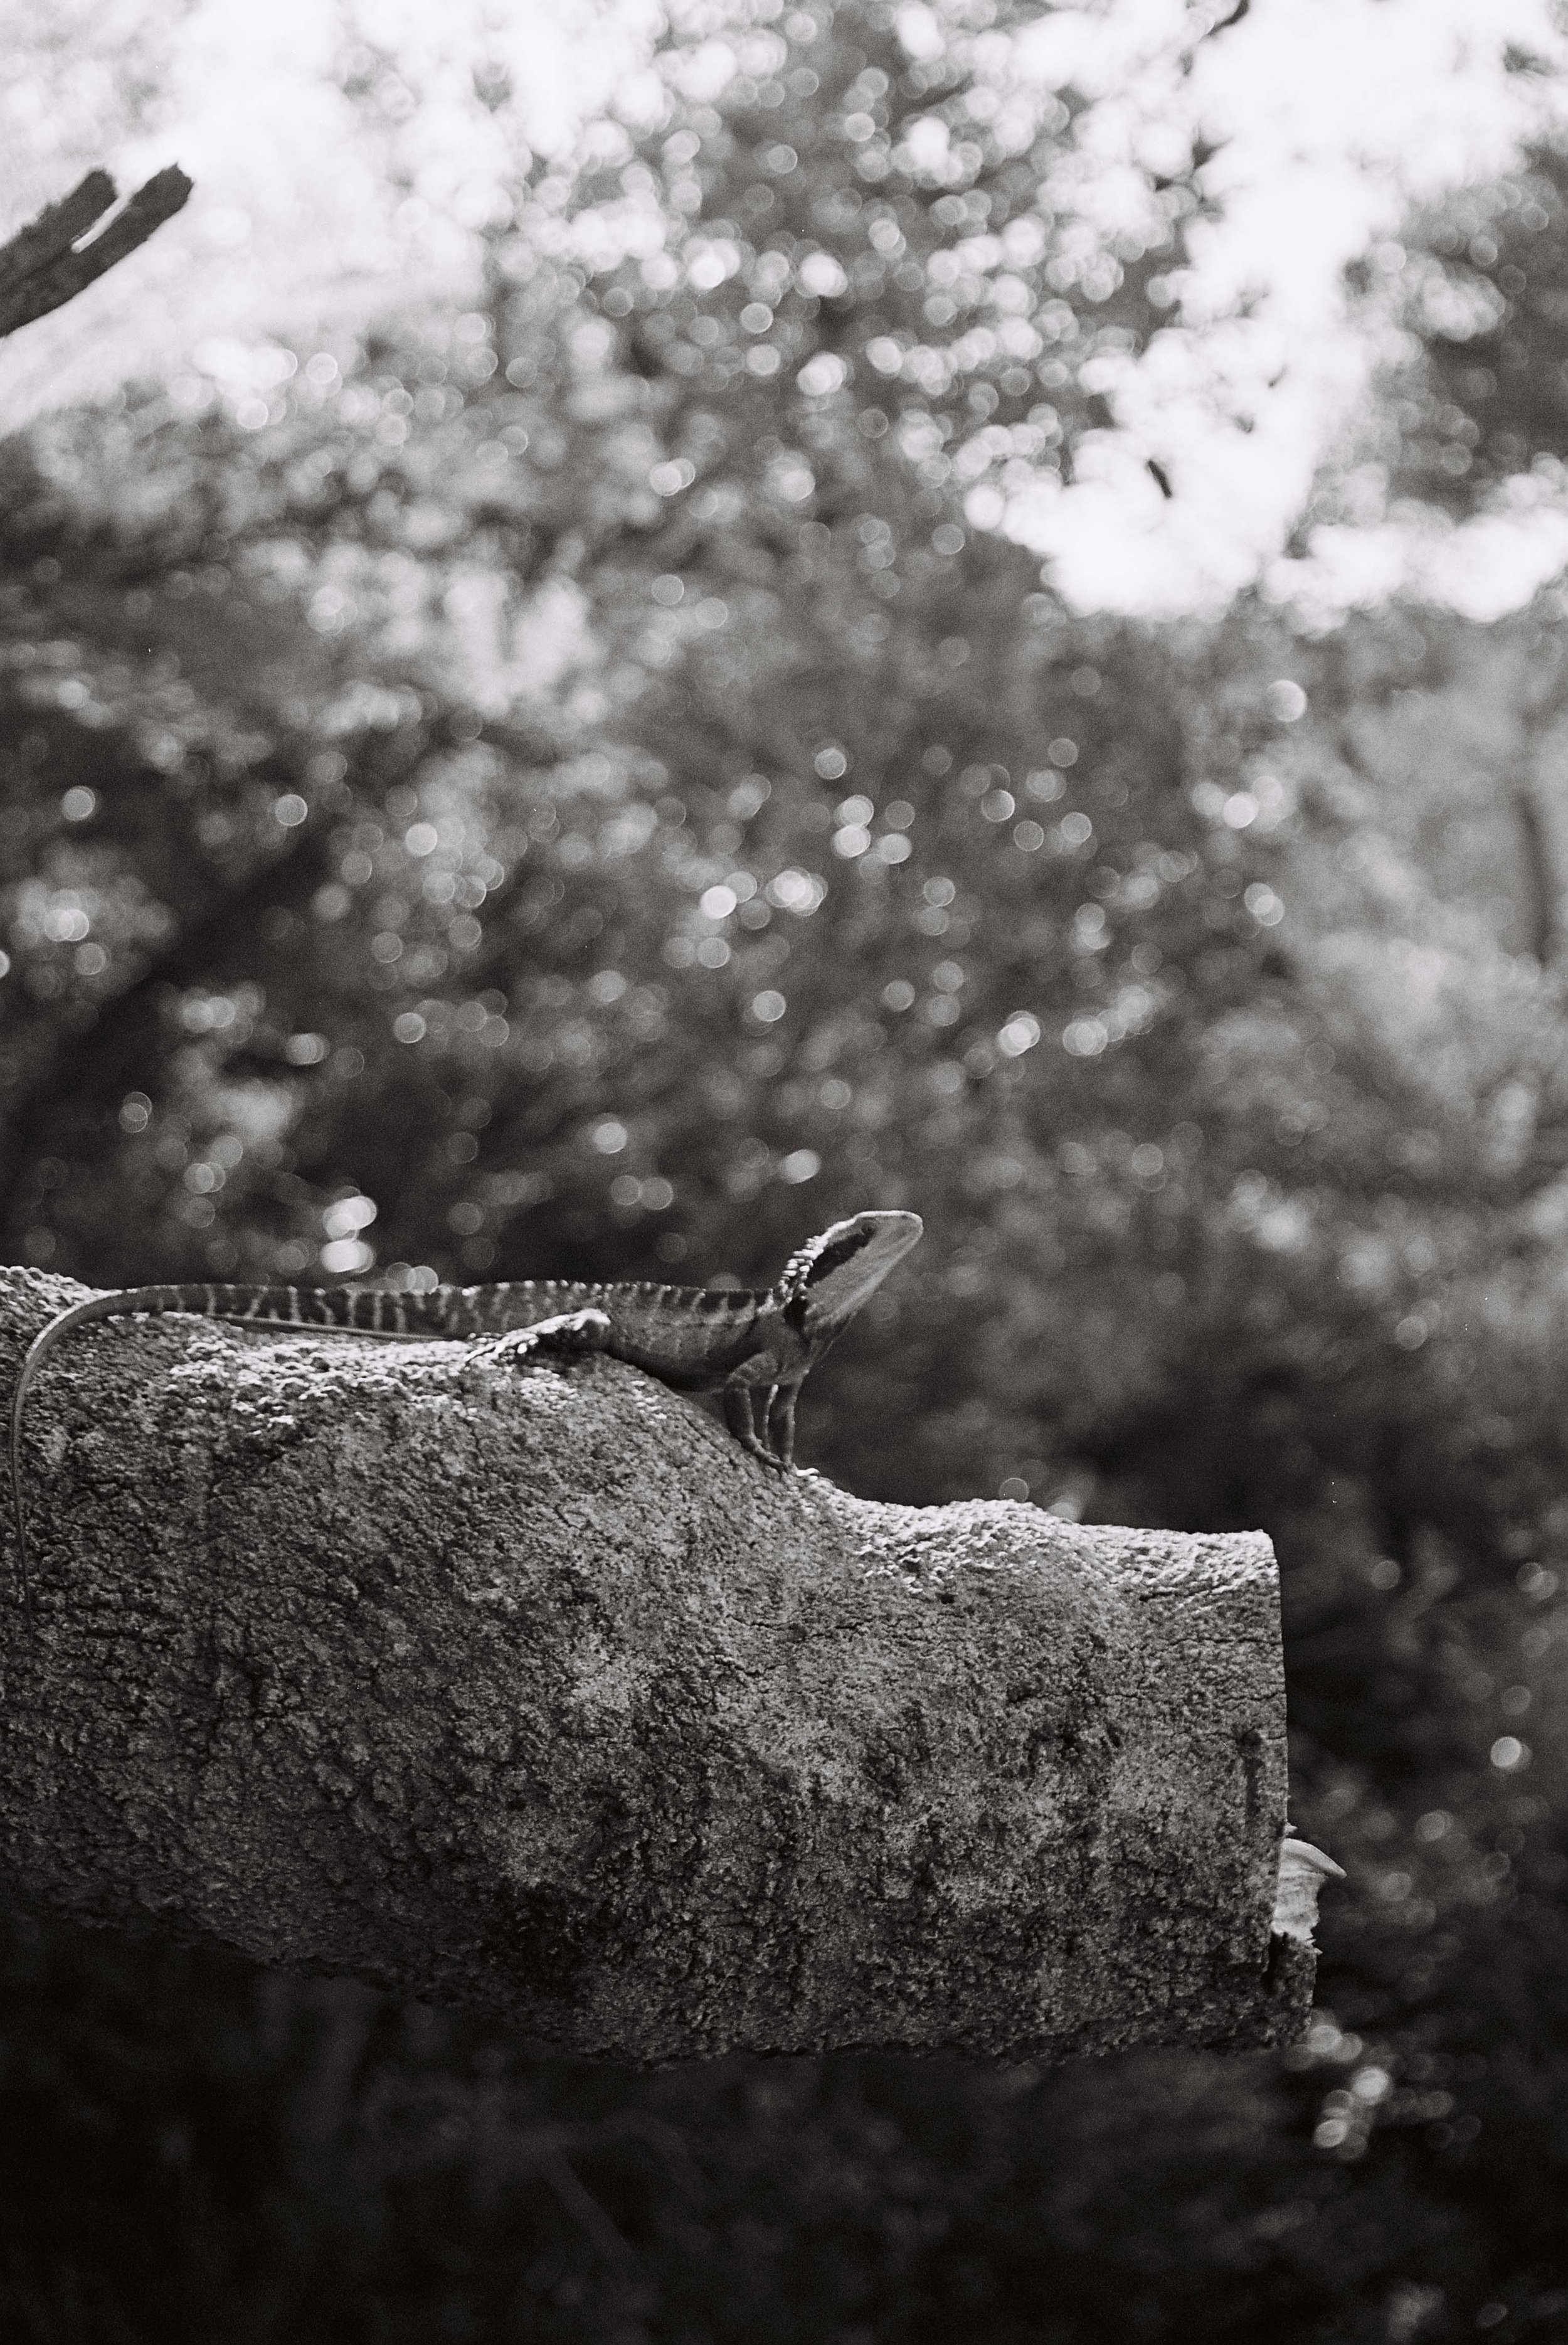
{"points": [[866, 1247], [823, 1253]]}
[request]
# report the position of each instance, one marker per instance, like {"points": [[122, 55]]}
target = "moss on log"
{"points": [[527, 1688]]}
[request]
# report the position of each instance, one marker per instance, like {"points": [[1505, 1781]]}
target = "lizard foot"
{"points": [[570, 1335], [741, 1414]]}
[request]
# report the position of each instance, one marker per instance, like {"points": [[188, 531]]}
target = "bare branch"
{"points": [[47, 262], [578, 2201], [1540, 890], [53, 233]]}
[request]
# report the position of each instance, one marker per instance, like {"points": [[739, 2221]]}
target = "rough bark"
{"points": [[527, 1687]]}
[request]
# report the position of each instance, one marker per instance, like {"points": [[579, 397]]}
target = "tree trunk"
{"points": [[529, 1689]]}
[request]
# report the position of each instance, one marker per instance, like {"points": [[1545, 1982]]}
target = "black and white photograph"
{"points": [[783, 1172]]}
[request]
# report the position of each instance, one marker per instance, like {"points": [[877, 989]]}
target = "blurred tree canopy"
{"points": [[582, 785], [1483, 291]]}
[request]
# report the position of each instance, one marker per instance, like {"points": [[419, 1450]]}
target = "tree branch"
{"points": [[527, 1688], [1540, 890], [46, 263]]}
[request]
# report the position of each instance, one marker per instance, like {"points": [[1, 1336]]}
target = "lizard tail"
{"points": [[97, 1306]]}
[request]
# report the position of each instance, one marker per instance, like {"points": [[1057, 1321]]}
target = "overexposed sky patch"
{"points": [[310, 207], [314, 210], [1331, 118]]}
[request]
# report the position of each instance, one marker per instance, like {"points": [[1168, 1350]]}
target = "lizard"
{"points": [[752, 1348]]}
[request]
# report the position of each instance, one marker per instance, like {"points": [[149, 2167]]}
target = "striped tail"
{"points": [[97, 1306], [352, 1310]]}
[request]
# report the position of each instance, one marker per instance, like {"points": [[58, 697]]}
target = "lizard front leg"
{"points": [[739, 1416], [782, 1402]]}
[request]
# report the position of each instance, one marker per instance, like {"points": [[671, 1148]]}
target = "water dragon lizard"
{"points": [[751, 1348]]}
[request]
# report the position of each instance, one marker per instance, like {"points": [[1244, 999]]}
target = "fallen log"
{"points": [[527, 1688]]}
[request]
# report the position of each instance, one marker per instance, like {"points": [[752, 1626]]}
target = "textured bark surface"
{"points": [[529, 1689]]}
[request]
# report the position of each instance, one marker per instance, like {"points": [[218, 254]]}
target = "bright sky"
{"points": [[1333, 114], [306, 212]]}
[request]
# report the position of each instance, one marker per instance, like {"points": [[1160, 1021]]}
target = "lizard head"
{"points": [[824, 1284]]}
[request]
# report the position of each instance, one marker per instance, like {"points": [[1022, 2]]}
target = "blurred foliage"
{"points": [[577, 787], [1481, 286]]}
